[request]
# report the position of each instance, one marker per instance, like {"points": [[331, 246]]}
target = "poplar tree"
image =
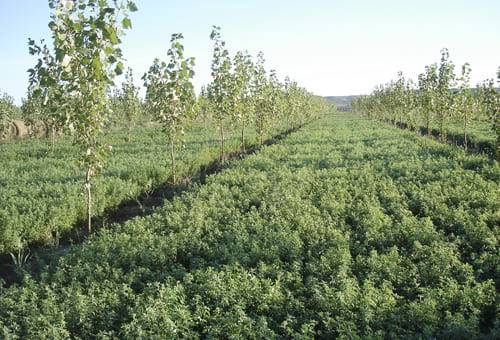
{"points": [[219, 91], [76, 76], [170, 94]]}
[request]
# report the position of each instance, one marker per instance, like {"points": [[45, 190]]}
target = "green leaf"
{"points": [[131, 6], [126, 23], [119, 68], [110, 33], [97, 65], [109, 50]]}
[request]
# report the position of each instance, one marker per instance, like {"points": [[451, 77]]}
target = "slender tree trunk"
{"points": [[427, 126], [497, 151], [172, 158], [243, 136], [129, 132], [465, 133], [442, 133], [497, 131], [222, 154], [52, 138], [88, 196]]}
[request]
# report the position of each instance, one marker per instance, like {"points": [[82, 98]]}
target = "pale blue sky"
{"points": [[331, 47]]}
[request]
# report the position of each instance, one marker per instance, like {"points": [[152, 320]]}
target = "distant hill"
{"points": [[342, 101]]}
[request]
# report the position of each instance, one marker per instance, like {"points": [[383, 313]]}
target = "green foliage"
{"points": [[436, 107], [32, 109], [261, 92], [427, 87], [242, 91], [44, 102], [170, 95], [489, 99], [8, 111], [446, 80], [245, 93], [220, 92], [74, 80], [129, 98], [44, 213], [39, 214], [465, 104], [345, 229]]}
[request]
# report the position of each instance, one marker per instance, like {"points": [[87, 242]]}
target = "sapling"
{"points": [[446, 80], [130, 103], [220, 90], [260, 91], [78, 73], [243, 104], [464, 101], [170, 94]]}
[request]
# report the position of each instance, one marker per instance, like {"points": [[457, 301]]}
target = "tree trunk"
{"points": [[172, 158], [465, 133], [129, 133], [52, 138], [243, 137], [222, 155], [442, 133], [88, 196], [497, 151], [497, 131]]}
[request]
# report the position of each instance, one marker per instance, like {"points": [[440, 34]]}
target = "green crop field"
{"points": [[166, 177], [41, 188], [346, 228]]}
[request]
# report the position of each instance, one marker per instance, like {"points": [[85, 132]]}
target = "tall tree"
{"points": [[220, 90], [446, 80], [130, 103], [170, 94], [464, 101], [243, 104], [490, 103], [275, 99], [427, 87], [77, 77], [260, 94]]}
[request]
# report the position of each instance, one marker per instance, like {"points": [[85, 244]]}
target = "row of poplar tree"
{"points": [[71, 85], [440, 96]]}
